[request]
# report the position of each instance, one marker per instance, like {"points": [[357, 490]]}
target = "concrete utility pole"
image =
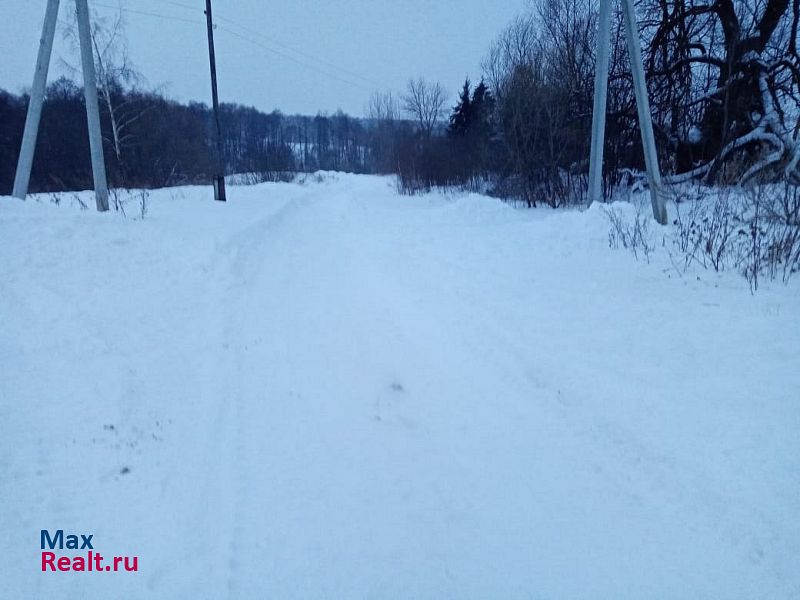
{"points": [[92, 109], [25, 163], [599, 108], [219, 178], [642, 107]]}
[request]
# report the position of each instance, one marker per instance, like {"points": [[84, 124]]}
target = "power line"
{"points": [[181, 4], [301, 52], [258, 34], [293, 59], [149, 14], [256, 42]]}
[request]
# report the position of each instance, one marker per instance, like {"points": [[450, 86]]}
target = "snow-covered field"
{"points": [[332, 391]]}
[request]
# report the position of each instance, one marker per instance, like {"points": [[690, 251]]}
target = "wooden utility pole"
{"points": [[25, 162], [219, 177], [642, 107]]}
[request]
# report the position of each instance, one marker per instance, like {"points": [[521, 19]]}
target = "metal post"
{"points": [[599, 109], [92, 109], [22, 176], [643, 109], [219, 179]]}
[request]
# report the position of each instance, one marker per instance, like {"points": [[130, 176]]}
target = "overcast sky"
{"points": [[299, 56]]}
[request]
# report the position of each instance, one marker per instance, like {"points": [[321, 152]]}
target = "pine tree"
{"points": [[460, 119], [481, 109]]}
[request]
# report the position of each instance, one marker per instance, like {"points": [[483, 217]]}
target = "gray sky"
{"points": [[302, 55]]}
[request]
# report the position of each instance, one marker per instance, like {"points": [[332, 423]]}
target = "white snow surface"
{"points": [[330, 390]]}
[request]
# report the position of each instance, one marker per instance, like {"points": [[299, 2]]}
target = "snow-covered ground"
{"points": [[332, 391]]}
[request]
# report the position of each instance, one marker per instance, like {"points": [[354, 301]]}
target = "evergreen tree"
{"points": [[482, 103], [460, 119], [481, 112]]}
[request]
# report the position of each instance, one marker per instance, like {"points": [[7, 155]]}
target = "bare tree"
{"points": [[514, 47], [723, 78], [382, 110], [114, 71], [726, 82], [382, 107], [424, 101], [541, 70]]}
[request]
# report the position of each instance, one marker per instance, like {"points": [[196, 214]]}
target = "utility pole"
{"points": [[219, 178], [25, 162], [599, 108], [642, 107], [92, 109]]}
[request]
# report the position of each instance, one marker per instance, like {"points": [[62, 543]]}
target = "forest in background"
{"points": [[723, 76], [158, 142]]}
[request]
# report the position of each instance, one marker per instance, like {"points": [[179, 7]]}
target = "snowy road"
{"points": [[331, 391]]}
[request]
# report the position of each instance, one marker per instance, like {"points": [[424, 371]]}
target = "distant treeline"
{"points": [[153, 141]]}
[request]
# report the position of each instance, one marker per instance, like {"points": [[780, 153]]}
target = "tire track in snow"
{"points": [[245, 253], [274, 268], [206, 492]]}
